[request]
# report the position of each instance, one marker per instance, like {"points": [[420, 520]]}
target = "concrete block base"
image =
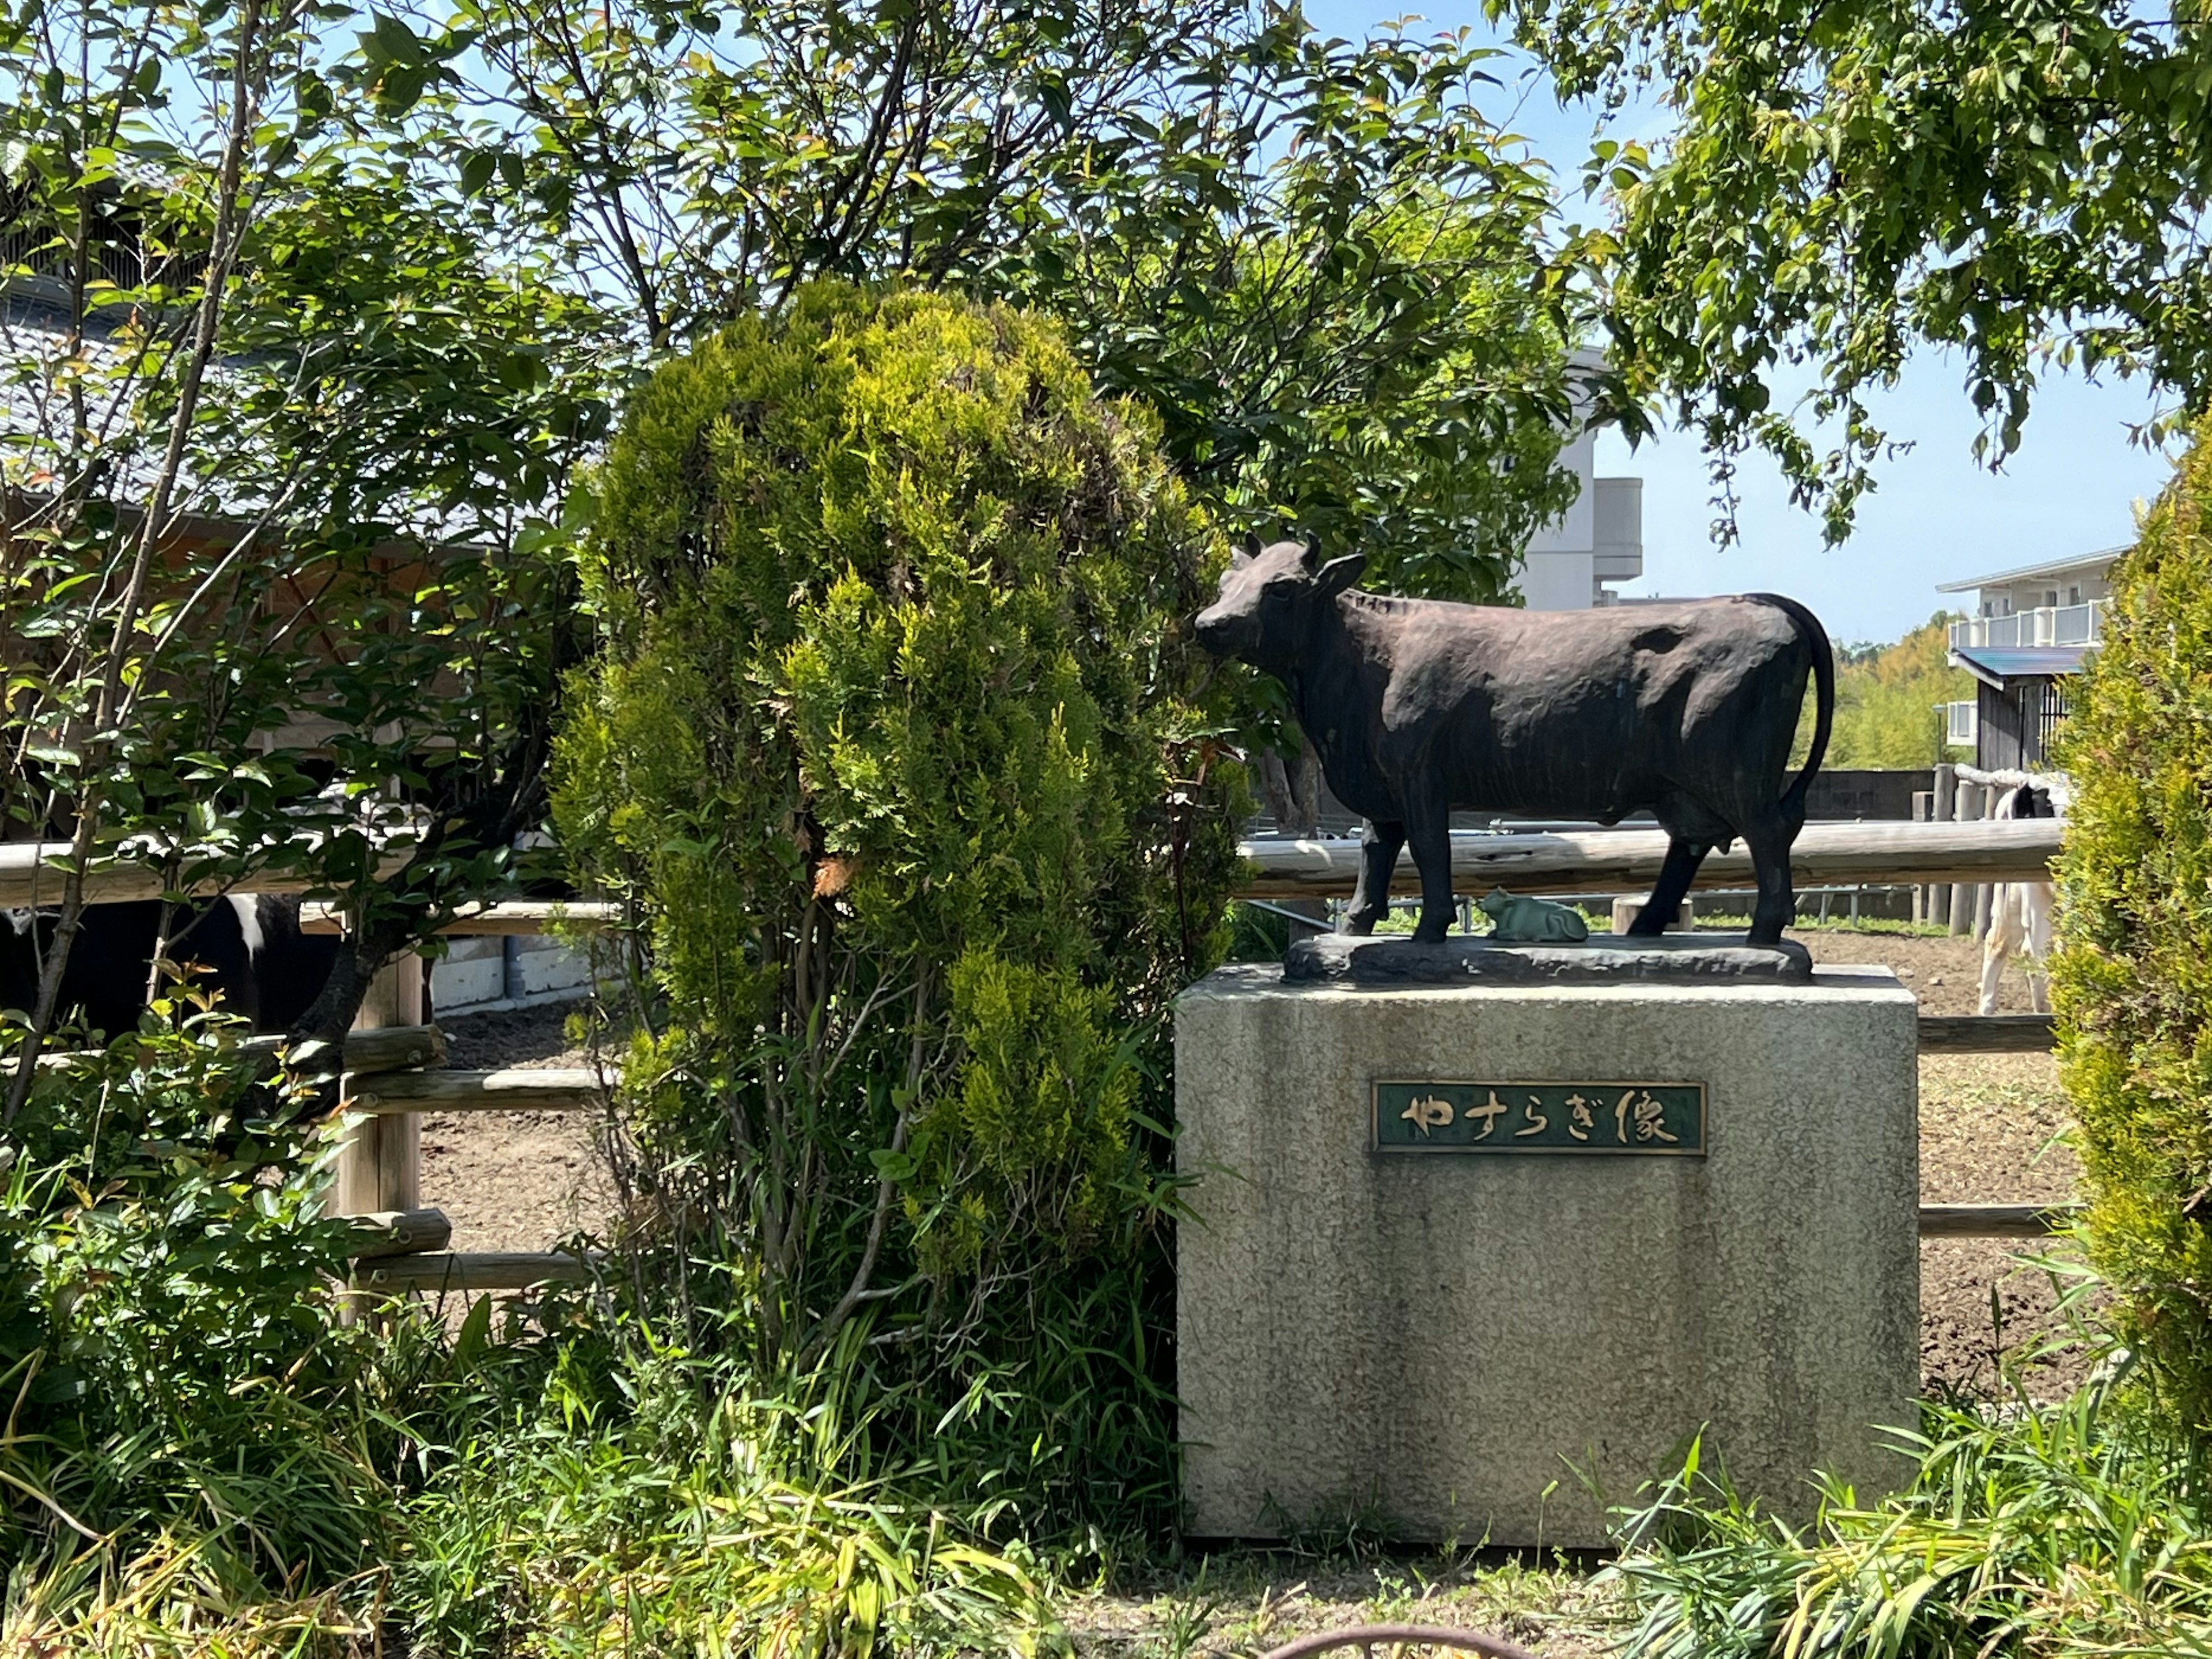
{"points": [[1685, 915], [1454, 1341]]}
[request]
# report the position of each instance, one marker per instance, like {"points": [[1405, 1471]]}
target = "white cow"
{"points": [[2020, 911]]}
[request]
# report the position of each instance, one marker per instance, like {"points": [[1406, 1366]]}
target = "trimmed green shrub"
{"points": [[2132, 978], [894, 751]]}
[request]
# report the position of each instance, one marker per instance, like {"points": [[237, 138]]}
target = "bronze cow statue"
{"points": [[1419, 709]]}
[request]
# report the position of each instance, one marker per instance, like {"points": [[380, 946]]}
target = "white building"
{"points": [[2031, 628], [2059, 602], [1598, 540]]}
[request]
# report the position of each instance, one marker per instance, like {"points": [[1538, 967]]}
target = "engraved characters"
{"points": [[1630, 1117]]}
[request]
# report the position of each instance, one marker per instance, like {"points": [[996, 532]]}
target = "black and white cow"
{"points": [[2020, 911], [249, 947]]}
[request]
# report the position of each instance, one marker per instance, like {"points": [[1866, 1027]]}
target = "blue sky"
{"points": [[1935, 516]]}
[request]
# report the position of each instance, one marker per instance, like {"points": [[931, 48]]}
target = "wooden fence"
{"points": [[393, 1264], [1623, 860], [396, 1068]]}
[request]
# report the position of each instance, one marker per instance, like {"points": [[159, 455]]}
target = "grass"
{"points": [[572, 1490], [2079, 1529], [638, 1501], [171, 1600], [1832, 924]]}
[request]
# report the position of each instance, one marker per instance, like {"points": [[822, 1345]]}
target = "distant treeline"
{"points": [[1887, 701]]}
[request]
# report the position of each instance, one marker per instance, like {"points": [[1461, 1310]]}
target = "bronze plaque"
{"points": [[1647, 1120]]}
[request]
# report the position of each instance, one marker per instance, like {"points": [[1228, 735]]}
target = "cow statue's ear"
{"points": [[1340, 573]]}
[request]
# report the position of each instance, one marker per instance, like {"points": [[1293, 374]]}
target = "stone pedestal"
{"points": [[1441, 1338]]}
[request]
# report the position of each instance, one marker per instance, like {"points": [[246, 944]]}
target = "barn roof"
{"points": [[50, 381], [1999, 666]]}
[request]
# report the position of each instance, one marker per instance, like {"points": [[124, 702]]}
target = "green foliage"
{"points": [[2129, 980], [633, 1495], [1886, 698], [893, 750], [1338, 284], [284, 449], [168, 1337], [2024, 185], [1341, 290], [2077, 1529]]}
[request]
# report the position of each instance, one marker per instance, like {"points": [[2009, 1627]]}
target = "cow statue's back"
{"points": [[1419, 708]]}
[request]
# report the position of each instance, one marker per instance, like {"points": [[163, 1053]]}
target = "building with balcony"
{"points": [[2030, 629]]}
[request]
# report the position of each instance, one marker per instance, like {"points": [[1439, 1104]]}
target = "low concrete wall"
{"points": [[477, 975], [1442, 1339]]}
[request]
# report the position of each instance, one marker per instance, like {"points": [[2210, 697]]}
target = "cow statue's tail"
{"points": [[1824, 708]]}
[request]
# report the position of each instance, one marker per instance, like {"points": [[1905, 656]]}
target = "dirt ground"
{"points": [[1990, 1132], [1247, 1602], [514, 1181]]}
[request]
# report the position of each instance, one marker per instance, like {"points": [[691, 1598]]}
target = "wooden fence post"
{"points": [[1967, 806], [1946, 794], [382, 1165]]}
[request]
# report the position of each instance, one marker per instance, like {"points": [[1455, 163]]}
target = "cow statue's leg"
{"points": [[1683, 858], [1777, 905], [1428, 832], [1379, 844]]}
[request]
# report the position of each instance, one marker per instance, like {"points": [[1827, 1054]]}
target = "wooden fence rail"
{"points": [[31, 874], [1624, 860], [515, 1089], [402, 1243], [1995, 1220], [397, 1268], [474, 1271], [1986, 1034], [1587, 861], [400, 1232], [506, 918]]}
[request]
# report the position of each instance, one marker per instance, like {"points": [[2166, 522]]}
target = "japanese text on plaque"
{"points": [[1654, 1119]]}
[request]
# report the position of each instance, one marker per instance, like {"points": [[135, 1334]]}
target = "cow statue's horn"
{"points": [[1245, 551], [1312, 560]]}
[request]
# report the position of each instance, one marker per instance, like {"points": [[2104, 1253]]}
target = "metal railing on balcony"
{"points": [[2064, 624]]}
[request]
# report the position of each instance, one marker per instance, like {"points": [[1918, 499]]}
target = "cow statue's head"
{"points": [[1270, 600]]}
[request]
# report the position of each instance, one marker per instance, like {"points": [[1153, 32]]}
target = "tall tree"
{"points": [[276, 437], [1344, 292], [1340, 285], [1890, 698], [2025, 185]]}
